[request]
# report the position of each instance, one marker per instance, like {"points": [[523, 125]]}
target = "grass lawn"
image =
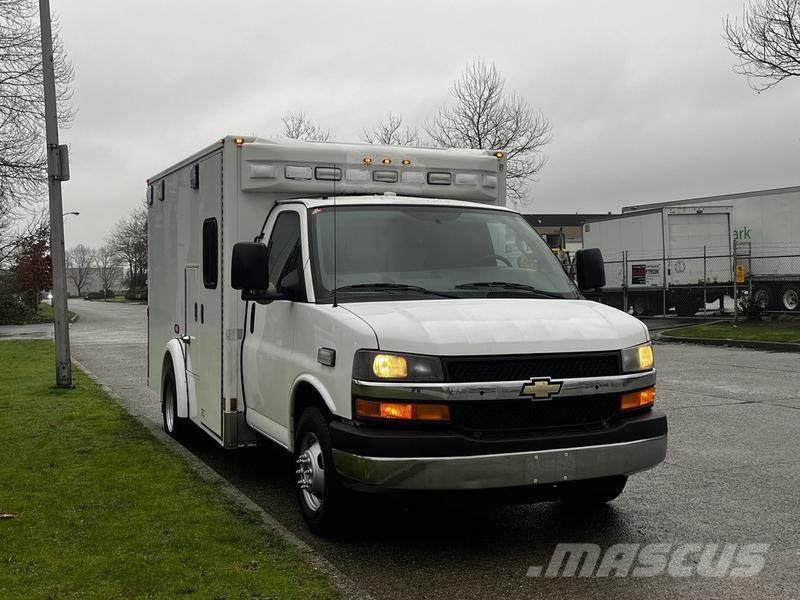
{"points": [[761, 331], [104, 510]]}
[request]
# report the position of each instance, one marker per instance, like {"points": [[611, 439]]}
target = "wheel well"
{"points": [[305, 396]]}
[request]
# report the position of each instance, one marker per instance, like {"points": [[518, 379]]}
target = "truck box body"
{"points": [[663, 244]]}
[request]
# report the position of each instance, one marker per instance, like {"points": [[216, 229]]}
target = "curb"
{"points": [[750, 344], [74, 318], [346, 587]]}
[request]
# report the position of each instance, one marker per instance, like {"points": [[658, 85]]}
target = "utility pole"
{"points": [[57, 171]]}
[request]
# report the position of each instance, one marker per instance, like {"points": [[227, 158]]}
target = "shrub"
{"points": [[137, 294], [100, 295]]}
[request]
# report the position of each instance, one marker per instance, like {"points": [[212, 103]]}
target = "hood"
{"points": [[476, 326]]}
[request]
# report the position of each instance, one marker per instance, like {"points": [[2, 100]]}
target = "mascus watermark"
{"points": [[650, 560]]}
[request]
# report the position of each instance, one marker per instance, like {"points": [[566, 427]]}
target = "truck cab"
{"points": [[407, 343]]}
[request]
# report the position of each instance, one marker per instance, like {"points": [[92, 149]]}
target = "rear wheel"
{"points": [[174, 425], [318, 490], [761, 297], [595, 491], [791, 298]]}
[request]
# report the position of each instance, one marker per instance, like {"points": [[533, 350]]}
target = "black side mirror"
{"points": [[249, 267], [589, 269], [292, 286]]}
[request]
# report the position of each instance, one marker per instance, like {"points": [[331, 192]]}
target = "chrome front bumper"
{"points": [[502, 470]]}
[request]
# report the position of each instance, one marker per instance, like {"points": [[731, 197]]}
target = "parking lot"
{"points": [[731, 476]]}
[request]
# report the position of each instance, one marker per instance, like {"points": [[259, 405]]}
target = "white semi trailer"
{"points": [[684, 249], [380, 314]]}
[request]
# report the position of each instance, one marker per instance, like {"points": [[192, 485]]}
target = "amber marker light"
{"points": [[238, 141], [374, 409], [639, 399], [387, 161], [367, 160], [499, 154], [406, 162]]}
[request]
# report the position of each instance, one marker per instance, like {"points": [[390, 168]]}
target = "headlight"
{"points": [[638, 358], [372, 365]]}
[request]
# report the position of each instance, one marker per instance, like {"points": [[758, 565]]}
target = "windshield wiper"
{"points": [[509, 286], [392, 286]]}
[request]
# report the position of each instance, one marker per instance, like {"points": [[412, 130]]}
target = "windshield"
{"points": [[411, 252]]}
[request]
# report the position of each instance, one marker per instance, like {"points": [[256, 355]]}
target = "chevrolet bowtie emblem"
{"points": [[541, 389]]}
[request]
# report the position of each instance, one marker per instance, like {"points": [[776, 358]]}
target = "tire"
{"points": [[790, 298], [175, 426], [762, 297], [319, 493], [595, 491]]}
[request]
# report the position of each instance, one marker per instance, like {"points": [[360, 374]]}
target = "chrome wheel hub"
{"points": [[311, 472]]}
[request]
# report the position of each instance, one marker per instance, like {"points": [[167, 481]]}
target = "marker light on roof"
{"points": [[499, 154], [385, 176], [367, 160], [439, 178], [262, 171], [238, 141], [387, 161], [298, 173], [329, 173], [406, 162]]}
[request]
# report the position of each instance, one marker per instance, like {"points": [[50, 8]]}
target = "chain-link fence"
{"points": [[705, 282]]}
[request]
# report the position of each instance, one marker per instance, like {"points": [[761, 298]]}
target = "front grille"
{"points": [[507, 416], [522, 367]]}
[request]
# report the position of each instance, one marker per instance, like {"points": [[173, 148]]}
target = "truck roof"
{"points": [[720, 198], [300, 169]]}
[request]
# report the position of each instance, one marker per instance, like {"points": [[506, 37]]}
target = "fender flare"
{"points": [[174, 350], [321, 390]]}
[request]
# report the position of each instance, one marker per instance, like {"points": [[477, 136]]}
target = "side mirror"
{"points": [[589, 269], [292, 286], [249, 267]]}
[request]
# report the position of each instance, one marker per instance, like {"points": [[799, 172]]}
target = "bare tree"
{"points": [[80, 262], [109, 268], [484, 116], [128, 240], [390, 132], [297, 126], [22, 149], [766, 41]]}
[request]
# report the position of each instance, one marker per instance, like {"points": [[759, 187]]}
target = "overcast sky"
{"points": [[644, 103]]}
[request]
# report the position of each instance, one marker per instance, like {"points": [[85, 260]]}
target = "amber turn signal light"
{"points": [[373, 409], [638, 399]]}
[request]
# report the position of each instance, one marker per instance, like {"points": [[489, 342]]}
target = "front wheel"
{"points": [[318, 489], [595, 491]]}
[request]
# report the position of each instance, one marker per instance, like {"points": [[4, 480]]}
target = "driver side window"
{"points": [[284, 253]]}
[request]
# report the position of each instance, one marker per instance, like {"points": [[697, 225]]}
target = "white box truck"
{"points": [[380, 314], [686, 245]]}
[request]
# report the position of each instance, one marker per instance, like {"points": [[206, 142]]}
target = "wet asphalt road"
{"points": [[731, 475]]}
